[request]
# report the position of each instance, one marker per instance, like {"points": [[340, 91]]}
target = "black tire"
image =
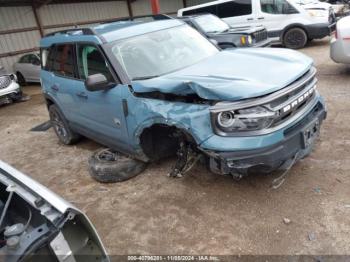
{"points": [[295, 38], [61, 127], [109, 166], [21, 80]]}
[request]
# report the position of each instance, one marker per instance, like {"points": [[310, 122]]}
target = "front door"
{"points": [[100, 112]]}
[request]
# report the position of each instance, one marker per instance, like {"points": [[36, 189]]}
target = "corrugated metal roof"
{"points": [[16, 17]]}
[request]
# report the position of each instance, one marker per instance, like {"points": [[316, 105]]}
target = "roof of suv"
{"points": [[110, 32]]}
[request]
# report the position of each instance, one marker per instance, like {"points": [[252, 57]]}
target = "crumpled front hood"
{"points": [[233, 75]]}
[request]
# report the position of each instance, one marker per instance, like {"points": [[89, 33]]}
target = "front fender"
{"points": [[192, 118]]}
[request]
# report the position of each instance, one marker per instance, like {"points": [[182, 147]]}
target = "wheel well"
{"points": [[161, 141], [294, 26], [49, 102]]}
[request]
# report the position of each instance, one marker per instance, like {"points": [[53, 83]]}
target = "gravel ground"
{"points": [[202, 213]]}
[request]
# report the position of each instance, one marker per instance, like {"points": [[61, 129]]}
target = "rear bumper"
{"points": [[338, 51], [317, 31], [268, 159]]}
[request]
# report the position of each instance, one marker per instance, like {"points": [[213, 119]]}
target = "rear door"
{"points": [[237, 12], [63, 80], [100, 112]]}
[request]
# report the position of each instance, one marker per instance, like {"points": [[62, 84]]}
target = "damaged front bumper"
{"points": [[10, 93], [297, 142]]}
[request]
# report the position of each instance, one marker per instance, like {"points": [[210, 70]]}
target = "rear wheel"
{"points": [[61, 127], [295, 38], [21, 80]]}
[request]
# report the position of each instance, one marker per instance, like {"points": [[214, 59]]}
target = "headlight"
{"points": [[318, 13], [250, 40], [246, 40], [249, 119]]}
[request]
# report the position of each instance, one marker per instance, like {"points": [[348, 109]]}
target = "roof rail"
{"points": [[85, 31], [140, 17]]}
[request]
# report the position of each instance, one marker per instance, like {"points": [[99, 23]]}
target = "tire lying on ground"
{"points": [[109, 166]]}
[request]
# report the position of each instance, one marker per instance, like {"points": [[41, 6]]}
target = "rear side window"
{"points": [[212, 9], [24, 59], [34, 60], [63, 63], [277, 7], [91, 61], [235, 8]]}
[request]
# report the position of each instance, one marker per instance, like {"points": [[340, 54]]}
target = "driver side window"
{"points": [[277, 7], [91, 61]]}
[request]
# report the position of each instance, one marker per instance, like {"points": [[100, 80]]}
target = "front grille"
{"points": [[5, 81], [301, 94], [260, 35]]}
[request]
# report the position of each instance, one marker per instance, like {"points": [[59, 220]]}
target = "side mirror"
{"points": [[96, 82]]}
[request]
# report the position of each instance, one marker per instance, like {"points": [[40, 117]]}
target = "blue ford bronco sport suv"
{"points": [[155, 89]]}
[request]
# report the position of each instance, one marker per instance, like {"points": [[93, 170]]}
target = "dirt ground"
{"points": [[202, 213]]}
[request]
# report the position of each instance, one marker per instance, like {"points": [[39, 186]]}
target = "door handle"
{"points": [[250, 19], [261, 18], [82, 95], [55, 88]]}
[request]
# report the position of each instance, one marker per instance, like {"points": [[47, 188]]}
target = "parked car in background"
{"points": [[158, 89], [27, 69], [10, 91], [340, 42], [286, 22], [226, 36], [318, 8], [38, 225]]}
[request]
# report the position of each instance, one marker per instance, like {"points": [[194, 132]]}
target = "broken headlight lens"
{"points": [[249, 119]]}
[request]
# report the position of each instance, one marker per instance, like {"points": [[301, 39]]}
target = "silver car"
{"points": [[340, 42], [27, 69], [9, 89]]}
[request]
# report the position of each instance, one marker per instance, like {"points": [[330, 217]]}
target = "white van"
{"points": [[287, 22]]}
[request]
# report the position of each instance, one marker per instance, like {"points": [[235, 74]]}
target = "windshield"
{"points": [[211, 24], [162, 52]]}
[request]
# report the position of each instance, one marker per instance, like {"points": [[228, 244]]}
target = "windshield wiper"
{"points": [[144, 77]]}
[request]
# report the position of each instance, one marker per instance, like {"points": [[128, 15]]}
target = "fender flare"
{"points": [[162, 121], [295, 25]]}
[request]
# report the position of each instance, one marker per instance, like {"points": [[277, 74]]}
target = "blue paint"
{"points": [[227, 76]]}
